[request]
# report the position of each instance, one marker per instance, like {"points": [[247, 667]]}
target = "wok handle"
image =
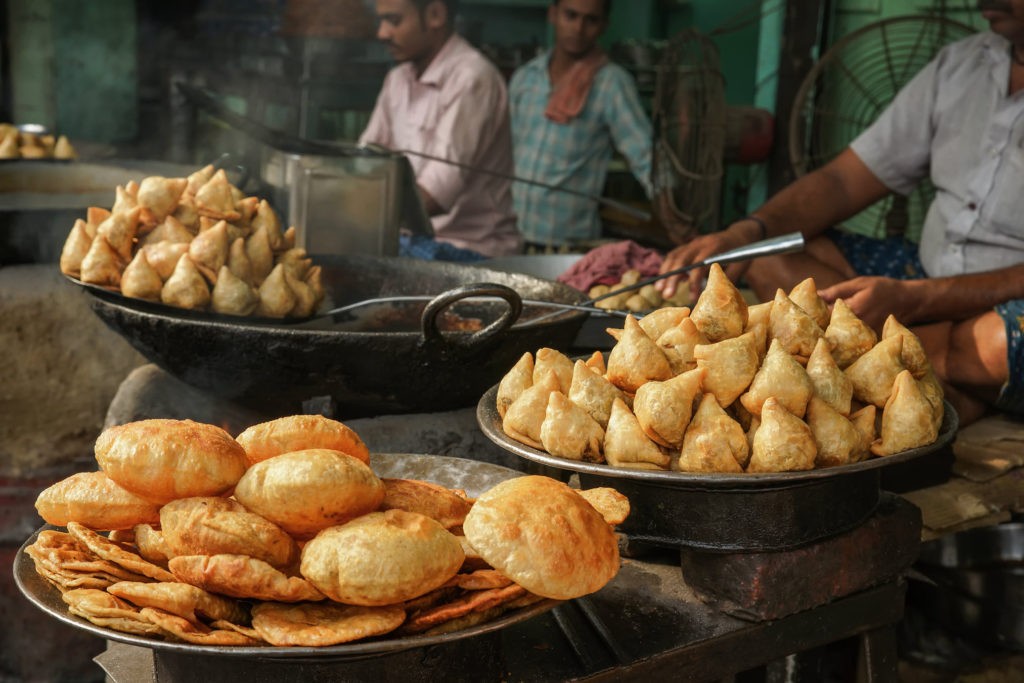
{"points": [[428, 322]]}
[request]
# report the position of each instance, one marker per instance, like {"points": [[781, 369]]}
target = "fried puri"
{"points": [[426, 498], [306, 491], [544, 536], [92, 499], [240, 576], [381, 558], [317, 625], [208, 526], [162, 460], [299, 433]]}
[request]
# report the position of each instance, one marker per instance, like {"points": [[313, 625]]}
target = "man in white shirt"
{"points": [[446, 100], [960, 122]]}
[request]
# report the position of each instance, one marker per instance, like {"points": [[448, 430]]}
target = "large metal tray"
{"points": [[472, 476], [729, 512]]}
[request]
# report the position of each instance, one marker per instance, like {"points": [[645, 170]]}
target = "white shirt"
{"points": [[955, 123], [458, 110]]}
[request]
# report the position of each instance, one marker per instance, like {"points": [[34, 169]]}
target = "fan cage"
{"points": [[688, 117], [846, 91]]}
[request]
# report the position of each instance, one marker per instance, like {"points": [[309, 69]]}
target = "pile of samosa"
{"points": [[19, 144], [784, 385], [197, 243]]}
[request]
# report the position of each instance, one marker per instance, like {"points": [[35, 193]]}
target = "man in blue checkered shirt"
{"points": [[569, 106]]}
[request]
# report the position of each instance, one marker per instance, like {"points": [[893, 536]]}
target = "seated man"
{"points": [[446, 100], [961, 123], [569, 106]]}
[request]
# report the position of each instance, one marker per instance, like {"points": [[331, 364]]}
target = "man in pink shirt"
{"points": [[446, 100]]}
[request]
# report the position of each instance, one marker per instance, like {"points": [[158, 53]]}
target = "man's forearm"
{"points": [[964, 296], [823, 198]]}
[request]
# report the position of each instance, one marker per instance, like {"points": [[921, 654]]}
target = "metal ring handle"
{"points": [[428, 322]]}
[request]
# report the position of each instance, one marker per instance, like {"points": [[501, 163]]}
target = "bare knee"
{"points": [[821, 260], [977, 352]]}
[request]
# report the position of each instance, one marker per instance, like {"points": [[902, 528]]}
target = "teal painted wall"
{"points": [[73, 67]]}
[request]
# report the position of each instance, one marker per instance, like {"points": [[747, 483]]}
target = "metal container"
{"points": [[978, 584], [354, 204], [729, 512]]}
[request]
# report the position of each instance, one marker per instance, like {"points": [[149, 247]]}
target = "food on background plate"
{"points": [[215, 570], [656, 415], [171, 239], [20, 144]]}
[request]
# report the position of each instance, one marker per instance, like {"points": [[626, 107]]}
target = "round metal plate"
{"points": [[472, 476], [490, 424]]}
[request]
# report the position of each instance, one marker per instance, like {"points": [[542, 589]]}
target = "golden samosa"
{"points": [[246, 208], [276, 298], [296, 261], [626, 445], [233, 295], [238, 261], [76, 246], [314, 278], [759, 313], [568, 431], [729, 366], [209, 250], [158, 196], [198, 179], [714, 442], [124, 199], [140, 279], [663, 409], [783, 442], [805, 295], [872, 375], [863, 421], [169, 230], [830, 383], [95, 215], [906, 418], [524, 417], [266, 219], [760, 332], [102, 265], [596, 363], [793, 327], [636, 359], [257, 248], [305, 298], [164, 256], [836, 438], [120, 230], [63, 149], [932, 389], [913, 355], [593, 393], [9, 147], [656, 322], [782, 377], [515, 381], [186, 288], [678, 343], [555, 361], [288, 238], [720, 312], [187, 213], [849, 336], [214, 198]]}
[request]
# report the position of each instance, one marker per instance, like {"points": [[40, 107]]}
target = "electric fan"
{"points": [[688, 117], [846, 91]]}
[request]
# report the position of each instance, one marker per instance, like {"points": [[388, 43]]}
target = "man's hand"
{"points": [[873, 299], [697, 250]]}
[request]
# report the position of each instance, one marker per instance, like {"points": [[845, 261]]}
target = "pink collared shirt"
{"points": [[457, 110]]}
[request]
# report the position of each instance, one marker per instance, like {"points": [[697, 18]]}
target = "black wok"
{"points": [[403, 358]]}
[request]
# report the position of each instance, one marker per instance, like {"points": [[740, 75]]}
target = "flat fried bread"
{"points": [[239, 576], [318, 625]]}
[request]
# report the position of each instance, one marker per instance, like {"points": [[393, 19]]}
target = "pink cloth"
{"points": [[605, 265], [458, 110], [569, 94]]}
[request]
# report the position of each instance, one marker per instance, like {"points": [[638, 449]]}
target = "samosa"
{"points": [[720, 312], [515, 381], [569, 432], [664, 409], [782, 377], [626, 445], [783, 442], [714, 442], [636, 359], [849, 336], [729, 366]]}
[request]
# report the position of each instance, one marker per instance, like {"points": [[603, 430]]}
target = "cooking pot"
{"points": [[406, 358]]}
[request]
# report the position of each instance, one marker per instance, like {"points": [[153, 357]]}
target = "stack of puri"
{"points": [[285, 536], [197, 243], [784, 385]]}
